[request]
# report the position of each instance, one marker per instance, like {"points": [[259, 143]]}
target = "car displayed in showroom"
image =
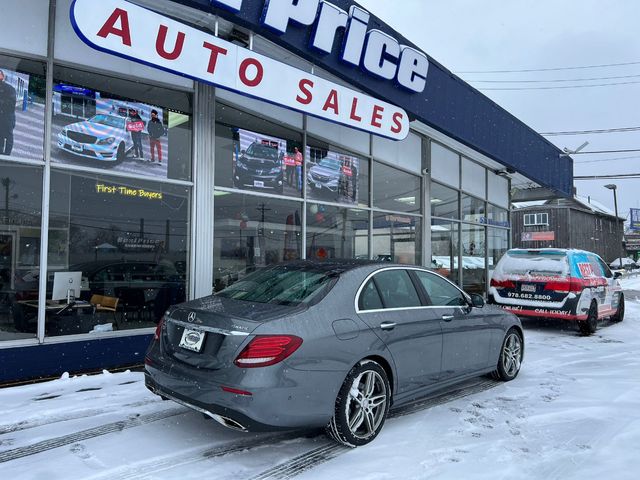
{"points": [[331, 344], [101, 137], [567, 284], [260, 166]]}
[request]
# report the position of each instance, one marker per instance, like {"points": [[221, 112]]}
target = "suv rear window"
{"points": [[549, 264]]}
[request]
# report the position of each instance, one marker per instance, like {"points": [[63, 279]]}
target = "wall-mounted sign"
{"points": [[140, 35], [538, 236], [104, 189], [634, 216]]}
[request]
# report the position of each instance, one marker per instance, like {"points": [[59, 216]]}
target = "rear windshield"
{"points": [[534, 264], [282, 286]]}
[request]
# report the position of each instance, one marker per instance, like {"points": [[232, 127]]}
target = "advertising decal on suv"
{"points": [[555, 283], [135, 33]]}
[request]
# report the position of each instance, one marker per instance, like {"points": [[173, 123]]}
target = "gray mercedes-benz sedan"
{"points": [[333, 344]]}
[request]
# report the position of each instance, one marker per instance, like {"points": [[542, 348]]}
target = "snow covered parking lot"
{"points": [[572, 413]]}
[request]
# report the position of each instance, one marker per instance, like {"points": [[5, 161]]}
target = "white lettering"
{"points": [[380, 47], [355, 36], [234, 5], [330, 19], [278, 13], [413, 69]]}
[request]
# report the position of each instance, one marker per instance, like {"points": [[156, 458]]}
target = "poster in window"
{"points": [[99, 130], [21, 115], [266, 163], [332, 176]]}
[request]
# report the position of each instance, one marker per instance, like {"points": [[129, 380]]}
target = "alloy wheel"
{"points": [[367, 404], [512, 354]]}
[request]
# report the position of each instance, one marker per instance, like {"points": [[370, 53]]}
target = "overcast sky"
{"points": [[471, 35]]}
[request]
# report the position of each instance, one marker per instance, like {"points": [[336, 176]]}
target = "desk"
{"points": [[61, 318]]}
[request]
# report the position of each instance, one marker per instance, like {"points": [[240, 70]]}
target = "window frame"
{"points": [[538, 219]]}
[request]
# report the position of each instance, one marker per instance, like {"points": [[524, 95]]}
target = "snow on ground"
{"points": [[572, 413]]}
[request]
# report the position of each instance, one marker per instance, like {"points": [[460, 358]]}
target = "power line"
{"points": [[560, 87], [550, 69], [607, 151], [582, 132], [606, 160], [554, 81], [620, 176]]}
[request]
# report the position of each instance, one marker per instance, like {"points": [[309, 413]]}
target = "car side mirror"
{"points": [[477, 300], [242, 152], [617, 274]]}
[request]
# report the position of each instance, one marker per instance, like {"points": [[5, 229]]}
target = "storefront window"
{"points": [[396, 190], [254, 154], [473, 252], [20, 218], [444, 249], [396, 238], [251, 232], [334, 232], [473, 209], [22, 99], [498, 246], [336, 176], [127, 240], [444, 202], [99, 122], [497, 216]]}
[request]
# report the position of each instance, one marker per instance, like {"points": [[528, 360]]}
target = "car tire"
{"points": [[590, 325], [619, 315], [120, 154], [357, 420], [510, 359]]}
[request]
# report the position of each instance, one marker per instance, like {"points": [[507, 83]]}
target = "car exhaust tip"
{"points": [[228, 422]]}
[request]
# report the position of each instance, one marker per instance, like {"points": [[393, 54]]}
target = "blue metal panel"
{"points": [[448, 104], [49, 360]]}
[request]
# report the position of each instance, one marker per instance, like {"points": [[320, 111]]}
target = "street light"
{"points": [[614, 187]]}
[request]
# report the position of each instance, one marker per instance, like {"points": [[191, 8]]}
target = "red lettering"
{"points": [[109, 27], [397, 121], [304, 85], [161, 40], [377, 116], [213, 59], [246, 63], [354, 107], [332, 102]]}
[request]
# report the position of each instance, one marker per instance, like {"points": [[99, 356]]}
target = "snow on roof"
{"points": [[585, 202], [534, 203]]}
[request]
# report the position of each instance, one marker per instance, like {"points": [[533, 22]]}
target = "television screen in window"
{"points": [[21, 115], [99, 130]]}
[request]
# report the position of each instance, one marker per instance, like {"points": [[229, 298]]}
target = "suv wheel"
{"points": [[589, 326], [619, 315]]}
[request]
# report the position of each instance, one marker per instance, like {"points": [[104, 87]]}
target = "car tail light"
{"points": [[503, 283], [265, 350], [156, 335], [573, 285]]}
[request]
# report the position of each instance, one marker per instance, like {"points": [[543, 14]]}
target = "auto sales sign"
{"points": [[126, 30]]}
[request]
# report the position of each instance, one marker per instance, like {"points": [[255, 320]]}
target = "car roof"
{"points": [[551, 251]]}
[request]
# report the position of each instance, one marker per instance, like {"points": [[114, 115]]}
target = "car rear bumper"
{"points": [[568, 310], [278, 400]]}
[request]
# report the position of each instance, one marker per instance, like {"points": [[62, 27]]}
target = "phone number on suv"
{"points": [[528, 296]]}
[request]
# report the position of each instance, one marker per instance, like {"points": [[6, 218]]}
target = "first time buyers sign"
{"points": [[121, 28]]}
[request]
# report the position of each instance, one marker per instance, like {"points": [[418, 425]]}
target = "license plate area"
{"points": [[192, 340], [528, 287], [258, 184], [76, 148]]}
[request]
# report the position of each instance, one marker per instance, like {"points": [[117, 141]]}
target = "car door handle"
{"points": [[388, 325], [447, 318]]}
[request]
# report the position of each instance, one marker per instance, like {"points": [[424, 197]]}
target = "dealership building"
{"points": [[154, 151]]}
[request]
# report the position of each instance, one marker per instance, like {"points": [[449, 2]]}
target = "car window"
{"points": [[440, 291], [396, 289], [534, 263], [605, 268], [369, 297], [281, 285], [595, 266]]}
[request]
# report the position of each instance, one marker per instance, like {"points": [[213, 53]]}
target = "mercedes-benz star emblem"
{"points": [[191, 317]]}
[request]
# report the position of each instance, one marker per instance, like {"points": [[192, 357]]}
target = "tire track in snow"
{"points": [[57, 442], [151, 467], [330, 450], [75, 415]]}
